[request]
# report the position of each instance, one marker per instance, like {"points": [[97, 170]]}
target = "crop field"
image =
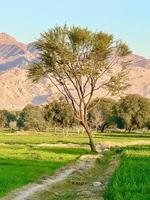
{"points": [[52, 138], [27, 157], [20, 165], [132, 179]]}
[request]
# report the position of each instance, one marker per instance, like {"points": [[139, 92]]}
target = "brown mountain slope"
{"points": [[14, 53], [16, 91]]}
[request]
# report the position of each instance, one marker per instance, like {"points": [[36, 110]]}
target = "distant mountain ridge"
{"points": [[17, 54], [14, 53], [16, 90]]}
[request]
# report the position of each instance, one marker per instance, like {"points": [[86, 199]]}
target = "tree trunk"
{"points": [[129, 129], [89, 133], [103, 127]]}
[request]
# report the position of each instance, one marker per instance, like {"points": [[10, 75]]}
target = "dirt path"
{"points": [[109, 144], [26, 192], [82, 165], [88, 183]]}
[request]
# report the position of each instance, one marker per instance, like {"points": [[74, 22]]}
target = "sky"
{"points": [[128, 20]]}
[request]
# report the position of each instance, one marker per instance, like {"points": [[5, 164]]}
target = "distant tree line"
{"points": [[130, 112], [56, 113]]}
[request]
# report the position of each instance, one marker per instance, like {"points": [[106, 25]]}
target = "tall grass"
{"points": [[131, 181]]}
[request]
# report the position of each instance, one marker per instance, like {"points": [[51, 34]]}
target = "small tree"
{"points": [[6, 117], [134, 111], [11, 117], [32, 118], [101, 115], [79, 62], [21, 120], [59, 113], [3, 118]]}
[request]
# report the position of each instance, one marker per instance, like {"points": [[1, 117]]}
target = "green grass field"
{"points": [[49, 138], [23, 161], [20, 165], [131, 181]]}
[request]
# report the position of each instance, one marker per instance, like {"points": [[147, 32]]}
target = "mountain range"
{"points": [[14, 53], [16, 91]]}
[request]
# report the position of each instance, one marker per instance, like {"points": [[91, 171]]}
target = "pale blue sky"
{"points": [[126, 19]]}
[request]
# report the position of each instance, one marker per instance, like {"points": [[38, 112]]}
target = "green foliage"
{"points": [[148, 124], [3, 118], [76, 61], [59, 113], [130, 112], [20, 120], [62, 47], [32, 118], [6, 117], [53, 138], [22, 165], [101, 112], [133, 111], [11, 117], [132, 179]]}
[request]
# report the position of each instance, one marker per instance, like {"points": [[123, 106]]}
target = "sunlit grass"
{"points": [[132, 179], [22, 161], [36, 138], [20, 165]]}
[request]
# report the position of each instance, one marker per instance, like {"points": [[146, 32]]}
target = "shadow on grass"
{"points": [[65, 150], [133, 147]]}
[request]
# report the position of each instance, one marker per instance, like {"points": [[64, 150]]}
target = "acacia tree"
{"points": [[79, 62]]}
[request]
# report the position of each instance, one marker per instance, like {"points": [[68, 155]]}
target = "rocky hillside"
{"points": [[17, 91], [14, 53]]}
